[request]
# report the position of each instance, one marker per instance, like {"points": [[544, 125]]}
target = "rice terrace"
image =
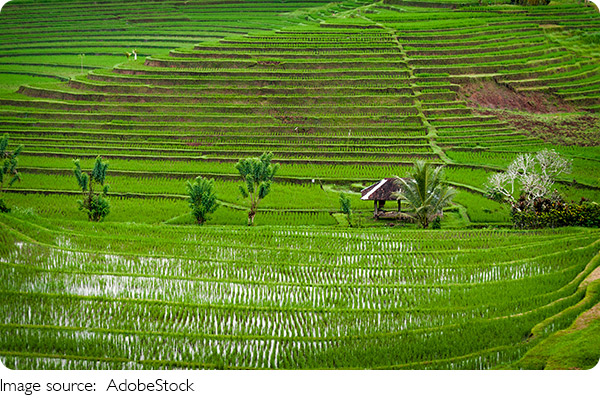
{"points": [[299, 184]]}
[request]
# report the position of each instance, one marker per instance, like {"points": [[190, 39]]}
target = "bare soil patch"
{"points": [[585, 319], [489, 94], [560, 128], [537, 114]]}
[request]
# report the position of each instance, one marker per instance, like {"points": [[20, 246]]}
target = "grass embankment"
{"points": [[577, 347]]}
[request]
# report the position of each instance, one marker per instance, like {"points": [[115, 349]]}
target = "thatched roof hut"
{"points": [[380, 192]]}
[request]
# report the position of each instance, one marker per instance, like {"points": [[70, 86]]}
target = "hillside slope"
{"points": [[343, 94]]}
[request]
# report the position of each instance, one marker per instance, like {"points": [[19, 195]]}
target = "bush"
{"points": [[96, 206], [553, 214], [202, 198]]}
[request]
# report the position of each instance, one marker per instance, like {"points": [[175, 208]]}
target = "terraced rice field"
{"points": [[343, 94], [150, 297]]}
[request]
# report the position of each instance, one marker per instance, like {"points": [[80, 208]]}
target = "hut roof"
{"points": [[382, 190]]}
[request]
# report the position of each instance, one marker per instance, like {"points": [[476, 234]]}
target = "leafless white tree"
{"points": [[533, 173]]}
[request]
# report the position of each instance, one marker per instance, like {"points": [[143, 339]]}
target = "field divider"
{"points": [[151, 363], [451, 359], [379, 235], [168, 196], [341, 338], [192, 175], [273, 283], [331, 252], [590, 283], [232, 159], [591, 298]]}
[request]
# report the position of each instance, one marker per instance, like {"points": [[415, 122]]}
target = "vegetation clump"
{"points": [[346, 208], [536, 205], [94, 204], [257, 173], [8, 168], [202, 198], [554, 213], [425, 192]]}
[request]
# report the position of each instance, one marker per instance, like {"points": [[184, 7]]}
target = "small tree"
{"points": [[345, 207], [533, 174], [95, 204], [257, 174], [425, 193], [8, 168], [203, 199]]}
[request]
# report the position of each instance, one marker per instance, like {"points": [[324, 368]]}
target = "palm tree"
{"points": [[425, 192], [257, 174]]}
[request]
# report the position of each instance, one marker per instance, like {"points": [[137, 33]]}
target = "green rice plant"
{"points": [[233, 301], [147, 289], [480, 209]]}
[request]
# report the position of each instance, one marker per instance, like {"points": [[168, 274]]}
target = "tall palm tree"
{"points": [[424, 192]]}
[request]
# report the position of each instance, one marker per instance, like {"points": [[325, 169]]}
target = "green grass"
{"points": [[576, 347], [10, 82], [568, 349], [481, 209]]}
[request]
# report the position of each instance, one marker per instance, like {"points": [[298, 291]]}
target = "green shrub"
{"points": [[554, 214], [202, 198]]}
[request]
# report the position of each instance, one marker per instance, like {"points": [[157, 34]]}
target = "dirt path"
{"points": [[585, 319]]}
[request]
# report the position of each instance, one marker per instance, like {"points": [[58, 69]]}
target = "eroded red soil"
{"points": [[534, 113], [489, 94]]}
